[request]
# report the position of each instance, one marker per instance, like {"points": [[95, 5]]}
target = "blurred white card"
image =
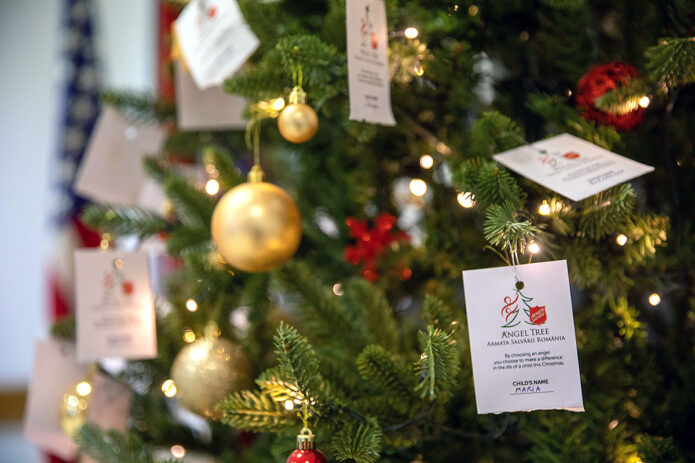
{"points": [[570, 166], [111, 171], [209, 109], [115, 305], [522, 340], [54, 371], [368, 62], [214, 39], [110, 402]]}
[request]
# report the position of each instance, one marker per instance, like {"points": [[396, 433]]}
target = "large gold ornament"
{"points": [[256, 226], [207, 370], [73, 407], [298, 121]]}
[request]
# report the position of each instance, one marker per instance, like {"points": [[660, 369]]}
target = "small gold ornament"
{"points": [[256, 226], [207, 370], [298, 121], [73, 407]]}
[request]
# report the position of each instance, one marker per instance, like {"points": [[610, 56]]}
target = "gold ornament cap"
{"points": [[306, 440], [256, 174], [297, 96]]}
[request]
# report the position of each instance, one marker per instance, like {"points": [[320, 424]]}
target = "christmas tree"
{"points": [[362, 336]]}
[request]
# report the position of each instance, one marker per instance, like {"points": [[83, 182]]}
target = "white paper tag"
{"points": [[110, 402], [368, 62], [115, 305], [111, 171], [214, 39], [570, 166], [523, 344], [209, 109], [54, 371]]}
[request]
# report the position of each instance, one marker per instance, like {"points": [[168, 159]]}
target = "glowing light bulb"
{"points": [[654, 299], [191, 305], [613, 424], [83, 388], [544, 208], [411, 33], [644, 101], [178, 451], [426, 161], [188, 336], [212, 187], [621, 239], [418, 187], [169, 388], [418, 70], [465, 199], [338, 289], [534, 248], [278, 104], [289, 405]]}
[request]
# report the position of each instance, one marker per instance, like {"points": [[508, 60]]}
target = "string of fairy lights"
{"points": [[417, 187]]}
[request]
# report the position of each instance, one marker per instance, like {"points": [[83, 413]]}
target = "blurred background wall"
{"points": [[31, 93]]}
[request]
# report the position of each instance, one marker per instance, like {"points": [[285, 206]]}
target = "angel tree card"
{"points": [[521, 332], [368, 62], [54, 371], [214, 39], [115, 305], [209, 109], [570, 166], [112, 171]]}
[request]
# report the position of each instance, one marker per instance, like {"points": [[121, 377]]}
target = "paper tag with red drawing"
{"points": [[522, 340], [369, 83], [570, 166], [214, 40], [115, 305]]}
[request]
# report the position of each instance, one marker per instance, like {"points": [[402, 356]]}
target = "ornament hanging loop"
{"points": [[297, 95], [515, 262]]}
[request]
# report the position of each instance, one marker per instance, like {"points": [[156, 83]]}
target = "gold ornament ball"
{"points": [[298, 123], [256, 227], [206, 371], [73, 407]]}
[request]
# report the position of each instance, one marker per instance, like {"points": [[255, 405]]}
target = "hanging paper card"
{"points": [[570, 166], [214, 39], [522, 338], [209, 109], [111, 171], [368, 62], [54, 371], [115, 305]]}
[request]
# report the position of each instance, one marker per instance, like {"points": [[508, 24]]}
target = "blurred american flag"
{"points": [[80, 108]]}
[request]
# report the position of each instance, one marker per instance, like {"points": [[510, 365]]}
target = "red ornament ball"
{"points": [[596, 82], [306, 456]]}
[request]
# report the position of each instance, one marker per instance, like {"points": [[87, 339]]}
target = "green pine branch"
{"points": [[124, 220], [140, 107], [256, 411], [360, 443], [672, 62], [505, 229], [375, 311], [191, 205], [380, 369], [436, 313], [624, 99], [112, 446], [438, 365], [298, 361], [605, 212]]}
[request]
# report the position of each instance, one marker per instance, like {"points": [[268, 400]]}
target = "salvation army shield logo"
{"points": [[537, 315]]}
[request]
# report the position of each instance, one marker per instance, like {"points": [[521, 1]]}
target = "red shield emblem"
{"points": [[570, 155], [537, 315]]}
